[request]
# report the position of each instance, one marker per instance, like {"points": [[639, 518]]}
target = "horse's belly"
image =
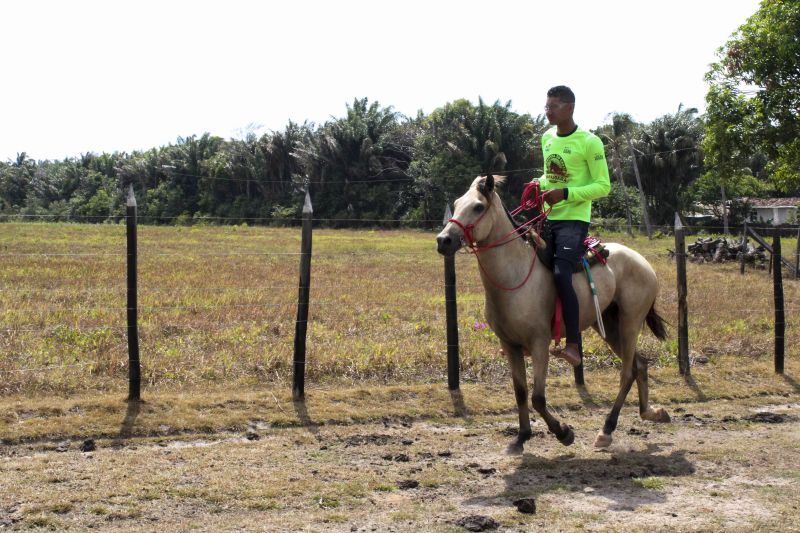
{"points": [[516, 328]]}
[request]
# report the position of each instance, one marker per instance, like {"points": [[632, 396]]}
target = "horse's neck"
{"points": [[506, 265]]}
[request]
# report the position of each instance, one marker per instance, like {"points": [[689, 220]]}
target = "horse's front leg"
{"points": [[563, 432], [517, 363], [627, 375]]}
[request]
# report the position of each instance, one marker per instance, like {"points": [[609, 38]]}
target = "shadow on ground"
{"points": [[701, 396], [792, 382], [126, 428], [301, 410], [615, 476], [459, 407]]}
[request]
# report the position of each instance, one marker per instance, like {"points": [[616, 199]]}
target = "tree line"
{"points": [[374, 165]]}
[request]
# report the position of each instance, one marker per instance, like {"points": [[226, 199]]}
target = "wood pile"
{"points": [[719, 250]]}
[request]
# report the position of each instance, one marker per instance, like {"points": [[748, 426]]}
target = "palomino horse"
{"points": [[520, 301]]}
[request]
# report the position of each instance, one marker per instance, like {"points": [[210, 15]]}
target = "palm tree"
{"points": [[16, 179], [617, 135], [357, 164], [668, 152], [459, 140]]}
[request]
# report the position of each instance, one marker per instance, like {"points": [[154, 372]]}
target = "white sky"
{"points": [[119, 75]]}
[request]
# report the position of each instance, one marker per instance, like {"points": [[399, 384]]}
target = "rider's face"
{"points": [[557, 111]]}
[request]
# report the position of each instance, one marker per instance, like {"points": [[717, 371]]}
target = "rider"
{"points": [[575, 173]]}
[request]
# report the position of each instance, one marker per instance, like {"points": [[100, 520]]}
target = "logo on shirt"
{"points": [[556, 169], [567, 150], [598, 157]]}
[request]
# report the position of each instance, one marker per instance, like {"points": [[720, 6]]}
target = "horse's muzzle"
{"points": [[447, 243]]}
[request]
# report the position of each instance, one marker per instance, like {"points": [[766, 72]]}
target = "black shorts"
{"points": [[565, 239]]}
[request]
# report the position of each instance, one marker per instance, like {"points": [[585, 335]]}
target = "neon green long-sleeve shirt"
{"points": [[578, 162]]}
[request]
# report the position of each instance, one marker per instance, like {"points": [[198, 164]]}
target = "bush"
{"points": [[613, 205]]}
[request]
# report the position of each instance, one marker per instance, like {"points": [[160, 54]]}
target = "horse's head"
{"points": [[474, 216]]}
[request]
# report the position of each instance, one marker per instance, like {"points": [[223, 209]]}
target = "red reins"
{"points": [[531, 198]]}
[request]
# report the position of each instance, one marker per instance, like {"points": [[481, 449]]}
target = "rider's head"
{"points": [[560, 104]]}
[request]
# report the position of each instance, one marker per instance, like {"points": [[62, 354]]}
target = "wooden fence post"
{"points": [[777, 282], [797, 256], [743, 256], [451, 313], [771, 253], [761, 241], [134, 369], [301, 325], [683, 310]]}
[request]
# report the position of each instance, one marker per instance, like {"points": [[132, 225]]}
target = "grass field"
{"points": [[379, 444], [217, 306]]}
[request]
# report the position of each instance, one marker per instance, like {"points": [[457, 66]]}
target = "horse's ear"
{"points": [[486, 186]]}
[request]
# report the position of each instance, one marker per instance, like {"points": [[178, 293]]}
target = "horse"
{"points": [[521, 299]]}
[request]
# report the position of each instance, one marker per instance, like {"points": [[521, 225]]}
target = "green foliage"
{"points": [[754, 94], [786, 166], [98, 205], [739, 186], [613, 205], [376, 167], [651, 482], [460, 140], [669, 157]]}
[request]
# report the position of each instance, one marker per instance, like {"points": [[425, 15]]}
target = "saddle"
{"points": [[594, 252]]}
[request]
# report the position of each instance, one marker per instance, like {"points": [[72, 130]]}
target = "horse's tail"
{"points": [[656, 323]]}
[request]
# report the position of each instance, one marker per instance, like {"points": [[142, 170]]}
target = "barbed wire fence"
{"points": [[133, 327], [108, 299]]}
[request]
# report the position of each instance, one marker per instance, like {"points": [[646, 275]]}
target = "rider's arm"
{"points": [[600, 184]]}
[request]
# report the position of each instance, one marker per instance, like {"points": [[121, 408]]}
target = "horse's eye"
{"points": [[479, 208]]}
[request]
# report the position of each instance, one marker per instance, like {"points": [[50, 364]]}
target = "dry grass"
{"points": [[342, 461], [217, 325], [217, 307], [214, 409]]}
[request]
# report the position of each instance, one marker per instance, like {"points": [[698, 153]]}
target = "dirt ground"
{"points": [[720, 465]]}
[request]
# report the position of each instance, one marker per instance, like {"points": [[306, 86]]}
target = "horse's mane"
{"points": [[528, 233]]}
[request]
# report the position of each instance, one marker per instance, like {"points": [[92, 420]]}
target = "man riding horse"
{"points": [[521, 299], [575, 174]]}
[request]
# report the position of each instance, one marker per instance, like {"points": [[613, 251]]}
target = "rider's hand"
{"points": [[553, 196]]}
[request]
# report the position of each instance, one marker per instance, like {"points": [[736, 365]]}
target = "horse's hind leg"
{"points": [[653, 415], [517, 363], [563, 432], [624, 345]]}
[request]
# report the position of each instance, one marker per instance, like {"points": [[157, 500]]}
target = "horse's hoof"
{"points": [[567, 435], [662, 415], [656, 415], [515, 448], [603, 440]]}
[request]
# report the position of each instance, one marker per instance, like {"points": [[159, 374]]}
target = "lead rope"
{"points": [[531, 198]]}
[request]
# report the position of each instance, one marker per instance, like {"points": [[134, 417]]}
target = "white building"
{"points": [[773, 210]]}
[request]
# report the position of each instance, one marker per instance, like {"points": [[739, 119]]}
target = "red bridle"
{"points": [[531, 198], [468, 230]]}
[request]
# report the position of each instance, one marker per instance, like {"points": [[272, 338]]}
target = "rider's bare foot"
{"points": [[569, 353]]}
